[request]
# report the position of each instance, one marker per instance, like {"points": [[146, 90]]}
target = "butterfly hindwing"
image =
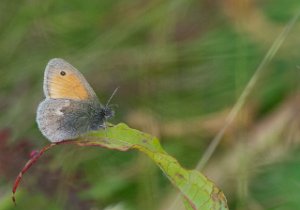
{"points": [[61, 119]]}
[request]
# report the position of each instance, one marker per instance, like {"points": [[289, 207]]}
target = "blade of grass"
{"points": [[248, 89]]}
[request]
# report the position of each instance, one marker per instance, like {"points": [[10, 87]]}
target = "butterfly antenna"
{"points": [[112, 95]]}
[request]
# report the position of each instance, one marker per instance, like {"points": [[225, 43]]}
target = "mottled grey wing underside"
{"points": [[62, 119]]}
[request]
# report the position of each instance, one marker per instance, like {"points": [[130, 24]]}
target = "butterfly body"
{"points": [[71, 107]]}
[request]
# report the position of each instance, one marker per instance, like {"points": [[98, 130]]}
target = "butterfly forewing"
{"points": [[62, 80]]}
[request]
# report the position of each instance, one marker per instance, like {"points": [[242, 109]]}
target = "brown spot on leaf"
{"points": [[180, 176]]}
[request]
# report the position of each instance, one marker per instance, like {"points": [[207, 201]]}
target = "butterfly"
{"points": [[71, 107]]}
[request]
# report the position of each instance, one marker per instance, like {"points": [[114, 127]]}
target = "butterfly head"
{"points": [[103, 114], [107, 112]]}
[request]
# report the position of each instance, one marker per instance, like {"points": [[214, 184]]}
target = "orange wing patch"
{"points": [[67, 86]]}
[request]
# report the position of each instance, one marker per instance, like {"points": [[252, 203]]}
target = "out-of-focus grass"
{"points": [[281, 178], [180, 61]]}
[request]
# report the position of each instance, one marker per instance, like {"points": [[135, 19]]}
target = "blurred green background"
{"points": [[181, 66]]}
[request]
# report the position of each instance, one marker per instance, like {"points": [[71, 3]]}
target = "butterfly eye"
{"points": [[62, 73]]}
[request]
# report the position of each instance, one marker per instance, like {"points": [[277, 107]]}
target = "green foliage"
{"points": [[200, 192], [280, 184]]}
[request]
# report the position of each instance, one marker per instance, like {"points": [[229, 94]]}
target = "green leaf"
{"points": [[198, 191]]}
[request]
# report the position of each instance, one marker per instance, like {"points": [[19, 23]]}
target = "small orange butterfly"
{"points": [[71, 107]]}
